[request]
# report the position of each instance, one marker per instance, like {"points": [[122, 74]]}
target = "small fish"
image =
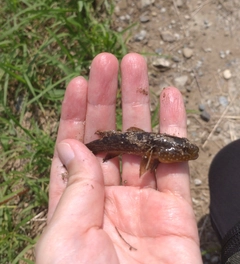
{"points": [[152, 147]]}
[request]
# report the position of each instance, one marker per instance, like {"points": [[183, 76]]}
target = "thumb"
{"points": [[81, 205]]}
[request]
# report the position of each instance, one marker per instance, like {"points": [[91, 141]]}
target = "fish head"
{"points": [[175, 149]]}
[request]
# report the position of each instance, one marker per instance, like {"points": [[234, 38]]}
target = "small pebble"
{"points": [[162, 64], [222, 54], [195, 201], [207, 24], [122, 18], [188, 89], [227, 74], [177, 36], [119, 29], [223, 101], [179, 3], [181, 81], [176, 58], [159, 51], [163, 10], [197, 182], [208, 50], [146, 3], [127, 17], [199, 64], [141, 35], [205, 116], [201, 107], [167, 36], [187, 53], [117, 10], [144, 18], [218, 130]]}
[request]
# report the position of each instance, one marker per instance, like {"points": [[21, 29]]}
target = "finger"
{"points": [[173, 177], [71, 125], [82, 202], [136, 113], [102, 91], [73, 113]]}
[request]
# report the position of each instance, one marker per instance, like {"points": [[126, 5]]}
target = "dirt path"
{"points": [[193, 45]]}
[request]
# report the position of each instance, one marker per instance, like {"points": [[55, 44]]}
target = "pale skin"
{"points": [[93, 218]]}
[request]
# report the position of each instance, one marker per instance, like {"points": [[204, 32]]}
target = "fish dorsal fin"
{"points": [[136, 129], [100, 133], [106, 133]]}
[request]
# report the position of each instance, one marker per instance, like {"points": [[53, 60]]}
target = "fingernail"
{"points": [[66, 153]]}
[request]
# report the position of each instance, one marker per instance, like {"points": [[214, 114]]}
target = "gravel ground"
{"points": [[193, 45]]}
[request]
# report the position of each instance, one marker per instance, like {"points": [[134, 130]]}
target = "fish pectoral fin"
{"points": [[135, 129], [148, 164], [145, 162], [143, 165], [153, 165], [111, 156]]}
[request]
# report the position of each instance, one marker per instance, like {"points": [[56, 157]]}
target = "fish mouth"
{"points": [[195, 152]]}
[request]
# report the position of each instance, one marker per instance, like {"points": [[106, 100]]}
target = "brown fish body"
{"points": [[152, 147]]}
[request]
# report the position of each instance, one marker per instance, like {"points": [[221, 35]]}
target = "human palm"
{"points": [[92, 217]]}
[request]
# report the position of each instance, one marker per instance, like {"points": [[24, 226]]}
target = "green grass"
{"points": [[43, 44]]}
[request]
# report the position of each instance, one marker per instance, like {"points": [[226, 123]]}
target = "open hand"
{"points": [[93, 218]]}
